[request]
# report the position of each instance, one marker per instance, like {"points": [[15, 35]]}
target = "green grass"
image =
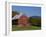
{"points": [[16, 28]]}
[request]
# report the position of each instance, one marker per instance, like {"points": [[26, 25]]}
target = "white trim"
{"points": [[9, 14]]}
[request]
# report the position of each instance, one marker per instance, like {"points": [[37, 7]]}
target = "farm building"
{"points": [[20, 20], [23, 21]]}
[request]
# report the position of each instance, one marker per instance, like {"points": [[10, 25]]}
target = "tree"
{"points": [[14, 13]]}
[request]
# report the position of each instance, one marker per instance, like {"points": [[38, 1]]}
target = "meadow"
{"points": [[16, 28]]}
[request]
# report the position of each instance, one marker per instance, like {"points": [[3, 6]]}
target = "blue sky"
{"points": [[29, 11]]}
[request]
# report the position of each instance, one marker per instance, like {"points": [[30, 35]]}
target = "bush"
{"points": [[35, 21]]}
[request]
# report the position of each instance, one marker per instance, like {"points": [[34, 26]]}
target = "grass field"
{"points": [[16, 28]]}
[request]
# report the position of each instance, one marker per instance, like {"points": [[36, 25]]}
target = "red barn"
{"points": [[23, 21]]}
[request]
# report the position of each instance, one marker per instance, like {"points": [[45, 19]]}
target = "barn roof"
{"points": [[17, 16]]}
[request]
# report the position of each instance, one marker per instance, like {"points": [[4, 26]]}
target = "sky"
{"points": [[29, 11]]}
